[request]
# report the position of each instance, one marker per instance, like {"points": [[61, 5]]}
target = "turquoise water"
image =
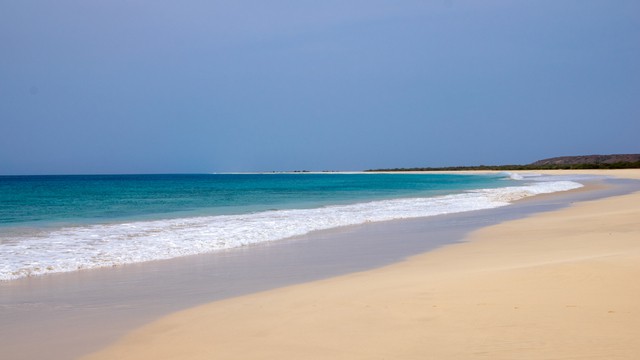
{"points": [[46, 200], [54, 224]]}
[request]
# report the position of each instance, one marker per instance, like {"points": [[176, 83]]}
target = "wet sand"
{"points": [[68, 315]]}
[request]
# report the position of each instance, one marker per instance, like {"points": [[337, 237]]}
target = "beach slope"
{"points": [[556, 285]]}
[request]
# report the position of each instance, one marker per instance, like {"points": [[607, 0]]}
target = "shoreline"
{"points": [[122, 299], [228, 220], [487, 297]]}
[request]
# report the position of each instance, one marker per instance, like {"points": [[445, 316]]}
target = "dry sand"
{"points": [[556, 285]]}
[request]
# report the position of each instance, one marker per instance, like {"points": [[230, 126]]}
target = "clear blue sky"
{"points": [[200, 86]]}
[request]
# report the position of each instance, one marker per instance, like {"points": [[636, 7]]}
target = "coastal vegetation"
{"points": [[616, 161]]}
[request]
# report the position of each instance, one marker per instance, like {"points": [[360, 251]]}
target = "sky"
{"points": [[141, 86]]}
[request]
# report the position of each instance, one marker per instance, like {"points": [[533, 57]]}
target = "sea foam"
{"points": [[84, 247]]}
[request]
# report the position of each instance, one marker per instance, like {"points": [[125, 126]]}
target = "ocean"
{"points": [[52, 224]]}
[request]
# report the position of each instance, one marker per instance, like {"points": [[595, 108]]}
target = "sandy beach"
{"points": [[555, 285]]}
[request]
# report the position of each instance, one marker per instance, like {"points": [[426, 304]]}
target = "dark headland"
{"points": [[614, 161]]}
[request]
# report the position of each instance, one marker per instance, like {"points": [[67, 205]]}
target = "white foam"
{"points": [[84, 247], [514, 176]]}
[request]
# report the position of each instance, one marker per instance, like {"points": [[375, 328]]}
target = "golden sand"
{"points": [[556, 285]]}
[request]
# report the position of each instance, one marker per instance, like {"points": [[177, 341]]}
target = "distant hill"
{"points": [[589, 159], [615, 161]]}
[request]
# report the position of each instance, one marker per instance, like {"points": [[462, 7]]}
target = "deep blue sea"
{"points": [[65, 223]]}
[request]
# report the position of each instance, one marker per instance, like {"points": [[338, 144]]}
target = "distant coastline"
{"points": [[614, 161]]}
